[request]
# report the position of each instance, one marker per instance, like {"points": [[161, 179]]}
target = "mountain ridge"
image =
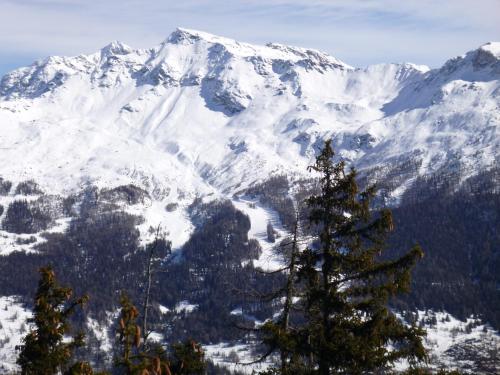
{"points": [[97, 150], [268, 106]]}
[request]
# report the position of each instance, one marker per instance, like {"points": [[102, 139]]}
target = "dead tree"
{"points": [[153, 259]]}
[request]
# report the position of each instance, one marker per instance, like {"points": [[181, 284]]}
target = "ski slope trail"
{"points": [[260, 216]]}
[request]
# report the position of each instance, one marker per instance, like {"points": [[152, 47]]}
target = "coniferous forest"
{"points": [[286, 187], [350, 264]]}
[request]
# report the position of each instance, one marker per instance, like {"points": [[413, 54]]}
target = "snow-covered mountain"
{"points": [[205, 114], [202, 115]]}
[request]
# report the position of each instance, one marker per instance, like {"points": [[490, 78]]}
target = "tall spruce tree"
{"points": [[349, 327], [43, 351]]}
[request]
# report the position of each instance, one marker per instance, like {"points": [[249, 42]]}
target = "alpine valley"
{"points": [[209, 139]]}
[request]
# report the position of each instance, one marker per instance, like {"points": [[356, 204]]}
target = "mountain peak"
{"points": [[487, 56], [270, 50], [249, 101], [182, 35], [480, 64], [116, 48], [492, 47]]}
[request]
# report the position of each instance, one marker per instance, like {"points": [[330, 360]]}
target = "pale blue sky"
{"points": [[359, 32]]}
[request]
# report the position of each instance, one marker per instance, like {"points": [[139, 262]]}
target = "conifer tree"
{"points": [[271, 237], [349, 327], [132, 361], [44, 352], [135, 359], [188, 358]]}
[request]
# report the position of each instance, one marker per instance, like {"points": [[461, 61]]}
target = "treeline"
{"points": [[100, 252], [337, 293], [332, 296]]}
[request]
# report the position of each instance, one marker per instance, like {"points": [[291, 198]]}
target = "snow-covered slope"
{"points": [[467, 345], [13, 327], [269, 260], [202, 114]]}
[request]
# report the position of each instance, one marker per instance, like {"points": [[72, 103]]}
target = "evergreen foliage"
{"points": [[212, 274], [274, 193], [29, 187], [137, 359], [21, 217], [188, 358], [345, 287], [461, 236], [100, 252], [271, 237], [5, 186], [44, 352]]}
